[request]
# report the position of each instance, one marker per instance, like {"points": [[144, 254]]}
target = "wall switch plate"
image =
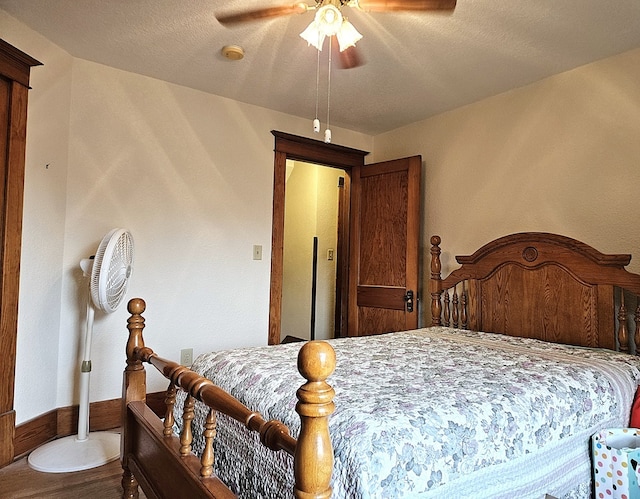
{"points": [[186, 357], [329, 254], [257, 252]]}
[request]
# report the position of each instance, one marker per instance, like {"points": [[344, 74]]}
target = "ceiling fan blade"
{"points": [[410, 5], [252, 15], [349, 57]]}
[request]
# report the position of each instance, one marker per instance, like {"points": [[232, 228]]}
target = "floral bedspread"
{"points": [[435, 412]]}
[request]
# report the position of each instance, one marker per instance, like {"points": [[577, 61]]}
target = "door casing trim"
{"points": [[288, 146]]}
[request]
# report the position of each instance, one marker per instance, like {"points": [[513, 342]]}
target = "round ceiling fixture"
{"points": [[233, 52]]}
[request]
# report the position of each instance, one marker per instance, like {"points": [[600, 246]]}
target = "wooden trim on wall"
{"points": [[15, 67], [104, 415], [61, 422], [277, 247], [35, 432]]}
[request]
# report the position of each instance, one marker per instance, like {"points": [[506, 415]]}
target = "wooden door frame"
{"points": [[288, 146], [15, 68], [341, 309]]}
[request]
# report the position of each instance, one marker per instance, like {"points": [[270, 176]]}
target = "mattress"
{"points": [[435, 412]]}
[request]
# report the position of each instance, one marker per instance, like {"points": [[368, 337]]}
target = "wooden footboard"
{"points": [[163, 465], [543, 286]]}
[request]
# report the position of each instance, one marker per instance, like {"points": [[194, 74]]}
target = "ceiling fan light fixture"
{"points": [[329, 21], [347, 36]]}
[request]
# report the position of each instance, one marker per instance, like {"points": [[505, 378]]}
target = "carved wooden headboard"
{"points": [[543, 286]]}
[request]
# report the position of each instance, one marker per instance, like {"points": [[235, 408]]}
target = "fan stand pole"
{"points": [[85, 376], [84, 450]]}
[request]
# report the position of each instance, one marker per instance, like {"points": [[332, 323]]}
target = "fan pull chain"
{"points": [[316, 121], [327, 132]]}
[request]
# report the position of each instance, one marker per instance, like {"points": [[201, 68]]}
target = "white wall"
{"points": [[327, 229], [561, 155], [190, 174], [43, 221], [299, 231]]}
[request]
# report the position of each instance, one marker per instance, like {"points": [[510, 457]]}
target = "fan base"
{"points": [[70, 454]]}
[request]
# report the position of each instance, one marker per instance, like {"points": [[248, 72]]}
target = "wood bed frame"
{"points": [[163, 464], [536, 285], [543, 286]]}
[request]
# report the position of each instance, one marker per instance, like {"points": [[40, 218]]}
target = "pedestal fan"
{"points": [[109, 272]]}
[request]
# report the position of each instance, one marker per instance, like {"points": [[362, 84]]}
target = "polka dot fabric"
{"points": [[616, 454]]}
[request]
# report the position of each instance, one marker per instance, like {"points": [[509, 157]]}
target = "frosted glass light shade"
{"points": [[329, 21], [347, 36], [313, 36]]}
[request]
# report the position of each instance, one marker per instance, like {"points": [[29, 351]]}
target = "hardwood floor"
{"points": [[18, 480]]}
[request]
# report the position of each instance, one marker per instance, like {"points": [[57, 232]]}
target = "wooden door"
{"points": [[384, 245]]}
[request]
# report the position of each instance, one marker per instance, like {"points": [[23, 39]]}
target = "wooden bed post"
{"points": [[134, 388], [313, 458], [435, 285], [636, 318]]}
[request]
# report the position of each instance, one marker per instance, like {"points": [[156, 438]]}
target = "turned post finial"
{"points": [[436, 292], [136, 306], [135, 325], [316, 362]]}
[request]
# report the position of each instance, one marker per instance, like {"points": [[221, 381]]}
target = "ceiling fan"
{"points": [[330, 21]]}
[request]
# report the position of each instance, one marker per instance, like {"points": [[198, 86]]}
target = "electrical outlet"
{"points": [[186, 357]]}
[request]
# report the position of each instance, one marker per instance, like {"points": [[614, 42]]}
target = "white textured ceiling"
{"points": [[417, 64]]}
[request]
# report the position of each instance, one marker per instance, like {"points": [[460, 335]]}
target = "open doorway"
{"points": [[294, 148], [313, 247]]}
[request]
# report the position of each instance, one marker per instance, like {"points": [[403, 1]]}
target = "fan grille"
{"points": [[112, 268]]}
